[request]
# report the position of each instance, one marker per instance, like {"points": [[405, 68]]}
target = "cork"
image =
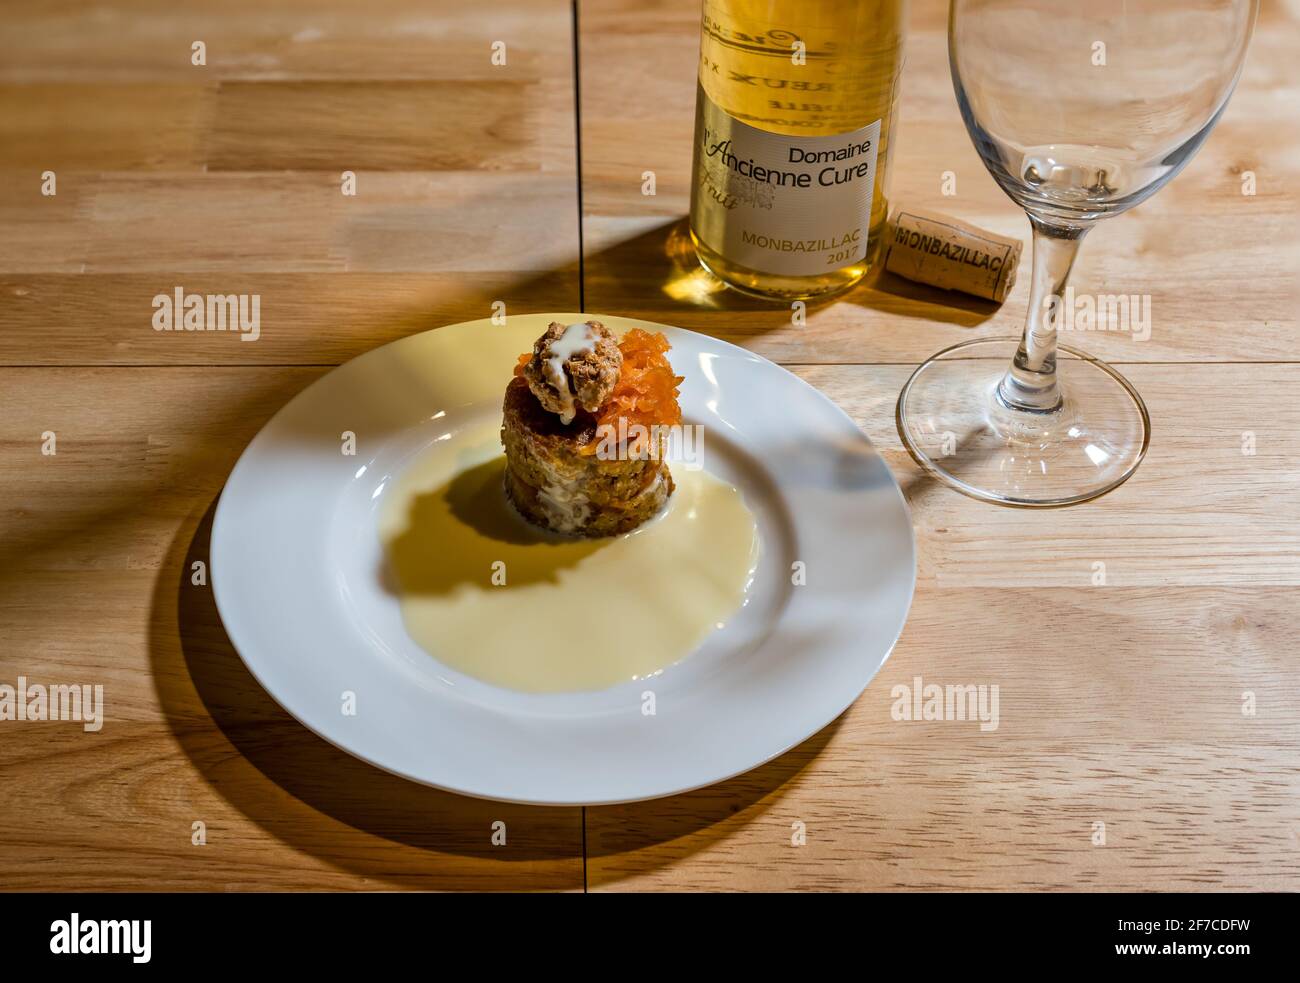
{"points": [[950, 254]]}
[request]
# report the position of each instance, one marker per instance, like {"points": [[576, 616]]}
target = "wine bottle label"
{"points": [[781, 204]]}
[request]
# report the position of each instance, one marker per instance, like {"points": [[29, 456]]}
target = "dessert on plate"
{"points": [[585, 429]]}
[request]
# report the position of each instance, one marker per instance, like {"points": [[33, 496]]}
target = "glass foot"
{"points": [[953, 423]]}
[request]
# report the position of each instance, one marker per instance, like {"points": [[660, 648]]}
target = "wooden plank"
{"points": [[61, 41], [246, 222], [282, 811], [96, 548], [500, 123], [887, 809], [305, 317], [97, 127], [440, 125]]}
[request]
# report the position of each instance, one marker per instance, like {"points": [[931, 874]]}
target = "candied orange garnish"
{"points": [[647, 389]]}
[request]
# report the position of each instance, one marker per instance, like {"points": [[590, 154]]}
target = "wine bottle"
{"points": [[794, 115]]}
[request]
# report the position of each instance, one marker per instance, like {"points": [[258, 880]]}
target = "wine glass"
{"points": [[1079, 111]]}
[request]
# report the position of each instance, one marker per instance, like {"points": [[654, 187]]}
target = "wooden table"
{"points": [[1121, 703]]}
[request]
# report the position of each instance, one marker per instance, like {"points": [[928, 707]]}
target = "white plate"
{"points": [[297, 575]]}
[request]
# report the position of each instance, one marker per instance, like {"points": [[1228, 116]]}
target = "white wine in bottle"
{"points": [[793, 117]]}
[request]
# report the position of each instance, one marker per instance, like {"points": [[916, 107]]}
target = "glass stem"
{"points": [[1030, 384]]}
